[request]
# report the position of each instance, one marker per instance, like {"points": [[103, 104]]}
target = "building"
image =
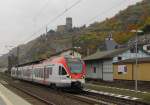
{"points": [[125, 70], [108, 44], [68, 23], [130, 54], [66, 27], [61, 28], [100, 64], [71, 52]]}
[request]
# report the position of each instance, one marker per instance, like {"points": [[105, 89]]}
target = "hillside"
{"points": [[134, 17]]}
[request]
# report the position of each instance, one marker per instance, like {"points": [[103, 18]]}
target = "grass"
{"points": [[143, 96]]}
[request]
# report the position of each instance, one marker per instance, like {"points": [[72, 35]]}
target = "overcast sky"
{"points": [[19, 19]]}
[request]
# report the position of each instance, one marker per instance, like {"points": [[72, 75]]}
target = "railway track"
{"points": [[114, 99], [81, 98], [86, 97], [34, 92], [47, 102], [29, 96]]}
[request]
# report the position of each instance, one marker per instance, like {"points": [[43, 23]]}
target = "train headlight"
{"points": [[83, 76], [68, 76]]}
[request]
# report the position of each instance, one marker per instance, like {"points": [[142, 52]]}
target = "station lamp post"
{"points": [[136, 58]]}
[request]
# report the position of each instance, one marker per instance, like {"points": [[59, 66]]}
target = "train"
{"points": [[57, 72]]}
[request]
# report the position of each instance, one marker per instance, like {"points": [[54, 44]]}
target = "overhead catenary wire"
{"points": [[102, 13], [105, 12], [67, 9], [42, 8], [51, 21], [54, 19]]}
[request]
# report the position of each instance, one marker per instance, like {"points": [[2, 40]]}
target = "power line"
{"points": [[105, 12], [55, 18], [42, 8], [67, 9]]}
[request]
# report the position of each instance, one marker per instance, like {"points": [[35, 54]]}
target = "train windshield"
{"points": [[75, 65]]}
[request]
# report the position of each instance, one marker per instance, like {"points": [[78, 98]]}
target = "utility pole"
{"points": [[9, 62], [46, 30], [136, 59], [72, 40], [18, 59], [136, 63]]}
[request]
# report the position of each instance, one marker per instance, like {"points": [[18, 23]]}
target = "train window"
{"points": [[36, 72], [41, 74], [59, 70], [62, 71], [94, 71], [75, 65], [48, 71]]}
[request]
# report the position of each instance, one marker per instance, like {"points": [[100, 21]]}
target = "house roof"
{"points": [[105, 54], [140, 60]]}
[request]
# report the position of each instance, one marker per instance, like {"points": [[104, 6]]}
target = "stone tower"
{"points": [[68, 23]]}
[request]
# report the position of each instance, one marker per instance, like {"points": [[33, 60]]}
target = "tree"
{"points": [[146, 29]]}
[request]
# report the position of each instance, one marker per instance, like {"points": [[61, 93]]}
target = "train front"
{"points": [[76, 70]]}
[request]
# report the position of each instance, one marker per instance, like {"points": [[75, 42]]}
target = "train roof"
{"points": [[54, 58], [51, 56], [32, 62]]}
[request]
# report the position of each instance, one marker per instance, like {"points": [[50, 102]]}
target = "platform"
{"points": [[7, 97], [2, 101]]}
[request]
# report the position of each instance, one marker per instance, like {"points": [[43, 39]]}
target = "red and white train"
{"points": [[65, 72]]}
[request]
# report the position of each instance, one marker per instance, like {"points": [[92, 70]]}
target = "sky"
{"points": [[24, 20]]}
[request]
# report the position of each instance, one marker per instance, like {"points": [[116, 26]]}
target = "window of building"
{"points": [[119, 58], [133, 50], [94, 70], [122, 69], [148, 47]]}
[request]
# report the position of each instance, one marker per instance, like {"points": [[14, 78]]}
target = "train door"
{"points": [[32, 73], [55, 76], [45, 72], [62, 73], [49, 74]]}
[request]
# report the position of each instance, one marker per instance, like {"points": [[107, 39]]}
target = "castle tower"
{"points": [[68, 23]]}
